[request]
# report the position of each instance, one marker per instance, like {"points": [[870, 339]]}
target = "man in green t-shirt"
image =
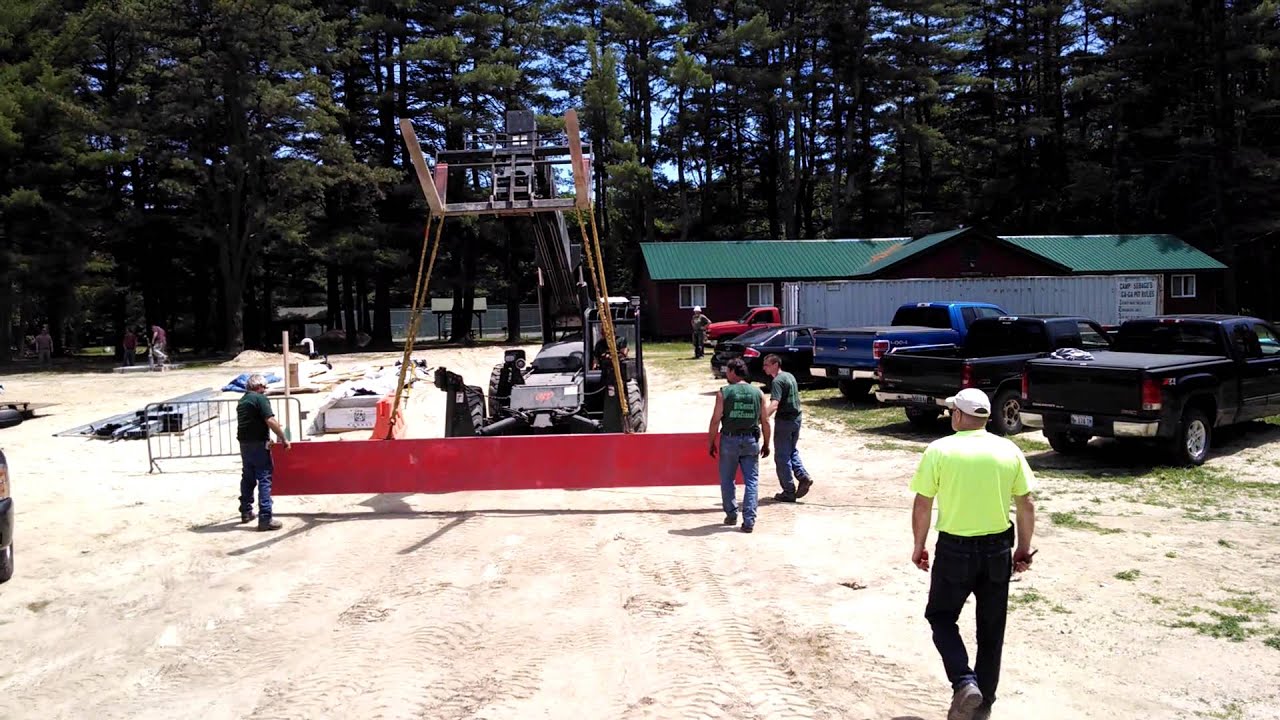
{"points": [[736, 425], [254, 418], [974, 475], [784, 406]]}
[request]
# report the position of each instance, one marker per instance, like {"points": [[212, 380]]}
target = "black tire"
{"points": [[6, 563], [1006, 413], [923, 418], [475, 406], [10, 417], [494, 405], [1065, 443], [1191, 443], [637, 409], [855, 389]]}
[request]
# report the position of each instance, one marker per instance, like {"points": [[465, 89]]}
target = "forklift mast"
{"points": [[518, 166]]}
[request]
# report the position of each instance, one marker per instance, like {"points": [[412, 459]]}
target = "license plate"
{"points": [[921, 399], [844, 372], [1082, 420]]}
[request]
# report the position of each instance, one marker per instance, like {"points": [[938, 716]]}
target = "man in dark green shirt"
{"points": [[254, 418], [784, 404], [736, 424]]}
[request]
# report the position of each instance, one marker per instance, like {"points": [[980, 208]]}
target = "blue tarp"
{"points": [[238, 385]]}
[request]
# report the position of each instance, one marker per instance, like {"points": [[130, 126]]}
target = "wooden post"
{"points": [[285, 342]]}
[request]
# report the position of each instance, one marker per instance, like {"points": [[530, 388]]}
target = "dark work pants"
{"points": [[980, 566]]}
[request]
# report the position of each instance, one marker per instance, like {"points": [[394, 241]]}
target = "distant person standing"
{"points": [[254, 418], [700, 323], [736, 426], [974, 475], [129, 344], [784, 407], [44, 347], [159, 344]]}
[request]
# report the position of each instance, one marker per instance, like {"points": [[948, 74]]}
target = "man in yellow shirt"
{"points": [[973, 475]]}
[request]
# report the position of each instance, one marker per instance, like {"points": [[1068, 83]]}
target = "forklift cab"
{"points": [[626, 326]]}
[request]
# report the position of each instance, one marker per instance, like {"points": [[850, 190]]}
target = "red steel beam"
{"points": [[493, 463]]}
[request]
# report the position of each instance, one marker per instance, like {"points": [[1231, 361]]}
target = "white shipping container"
{"points": [[1108, 299]]}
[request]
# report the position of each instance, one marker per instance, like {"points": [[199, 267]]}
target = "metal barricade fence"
{"points": [[205, 428]]}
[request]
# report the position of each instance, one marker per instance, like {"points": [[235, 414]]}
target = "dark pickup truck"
{"points": [[1172, 379], [991, 358]]}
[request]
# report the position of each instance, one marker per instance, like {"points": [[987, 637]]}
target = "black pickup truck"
{"points": [[991, 358], [1173, 379]]}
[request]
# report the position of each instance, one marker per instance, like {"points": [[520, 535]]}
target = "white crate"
{"points": [[352, 413]]}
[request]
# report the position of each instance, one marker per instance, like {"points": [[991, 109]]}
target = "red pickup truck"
{"points": [[753, 319]]}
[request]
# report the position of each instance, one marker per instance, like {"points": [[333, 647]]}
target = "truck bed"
{"points": [[1110, 359]]}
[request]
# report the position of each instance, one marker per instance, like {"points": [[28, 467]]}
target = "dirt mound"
{"points": [[257, 358]]}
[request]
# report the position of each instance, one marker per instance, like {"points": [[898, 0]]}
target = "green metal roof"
{"points": [[760, 259], [905, 248], [824, 259], [1116, 253]]}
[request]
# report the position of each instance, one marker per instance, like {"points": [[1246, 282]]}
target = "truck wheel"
{"points": [[1065, 443], [475, 406], [855, 389], [9, 418], [1007, 418], [637, 411], [494, 378], [923, 418], [6, 563], [1191, 443]]}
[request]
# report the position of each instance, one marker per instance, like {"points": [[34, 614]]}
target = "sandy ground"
{"points": [[138, 596]]}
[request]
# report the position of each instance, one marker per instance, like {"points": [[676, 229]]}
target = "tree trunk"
{"points": [[333, 315], [362, 303], [382, 308], [349, 307], [6, 305]]}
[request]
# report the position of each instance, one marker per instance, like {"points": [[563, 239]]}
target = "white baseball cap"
{"points": [[971, 401], [697, 308]]}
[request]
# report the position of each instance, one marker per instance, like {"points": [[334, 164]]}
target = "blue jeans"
{"points": [[786, 457], [740, 451], [981, 567], [255, 472]]}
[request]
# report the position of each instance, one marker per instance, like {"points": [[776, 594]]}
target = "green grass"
{"points": [[677, 359], [829, 405], [1230, 711], [1171, 554], [1223, 626], [1029, 445], [1244, 615], [1031, 599], [1071, 520], [1128, 575], [889, 446], [1225, 543], [1203, 493]]}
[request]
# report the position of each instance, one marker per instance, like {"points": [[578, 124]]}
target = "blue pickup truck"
{"points": [[850, 356]]}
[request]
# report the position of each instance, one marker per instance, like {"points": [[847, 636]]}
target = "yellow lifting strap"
{"points": [[595, 265], [420, 285]]}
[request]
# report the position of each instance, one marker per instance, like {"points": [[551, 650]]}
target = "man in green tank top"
{"points": [[735, 434]]}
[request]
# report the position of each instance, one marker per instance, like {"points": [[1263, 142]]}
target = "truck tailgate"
{"points": [[1092, 389], [925, 374]]}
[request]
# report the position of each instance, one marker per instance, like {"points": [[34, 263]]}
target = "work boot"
{"points": [[983, 712], [785, 497], [805, 484], [731, 519], [747, 528], [247, 517], [964, 702], [269, 524]]}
